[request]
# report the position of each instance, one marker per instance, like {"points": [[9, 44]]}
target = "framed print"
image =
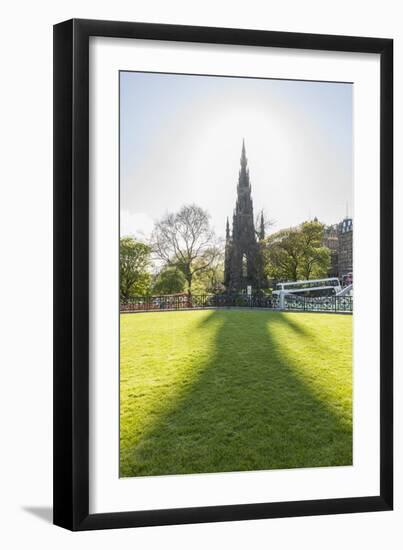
{"points": [[223, 240]]}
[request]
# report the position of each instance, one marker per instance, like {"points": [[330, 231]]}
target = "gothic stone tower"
{"points": [[243, 257]]}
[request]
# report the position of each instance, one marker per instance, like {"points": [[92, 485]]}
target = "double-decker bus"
{"points": [[313, 287]]}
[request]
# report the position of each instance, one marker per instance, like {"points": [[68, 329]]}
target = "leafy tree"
{"points": [[315, 257], [134, 262], [297, 253], [186, 241], [169, 280], [142, 286]]}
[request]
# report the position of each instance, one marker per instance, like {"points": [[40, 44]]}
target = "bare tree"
{"points": [[185, 240], [211, 278]]}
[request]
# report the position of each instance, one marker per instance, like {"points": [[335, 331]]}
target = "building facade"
{"points": [[339, 239], [243, 265], [345, 251], [331, 240]]}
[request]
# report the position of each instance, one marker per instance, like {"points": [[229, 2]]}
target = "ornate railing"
{"points": [[336, 304], [150, 303]]}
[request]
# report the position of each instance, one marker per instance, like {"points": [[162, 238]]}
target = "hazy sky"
{"points": [[181, 139]]}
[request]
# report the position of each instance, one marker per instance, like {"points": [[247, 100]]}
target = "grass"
{"points": [[232, 390]]}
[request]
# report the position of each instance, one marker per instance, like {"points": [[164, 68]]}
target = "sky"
{"points": [[181, 139]]}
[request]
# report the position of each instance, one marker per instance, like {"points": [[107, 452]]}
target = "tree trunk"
{"points": [[189, 282]]}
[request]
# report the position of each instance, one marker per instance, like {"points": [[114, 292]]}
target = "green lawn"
{"points": [[230, 390]]}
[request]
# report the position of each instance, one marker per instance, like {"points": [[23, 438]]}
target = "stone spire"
{"points": [[243, 259], [244, 160], [243, 214], [243, 180]]}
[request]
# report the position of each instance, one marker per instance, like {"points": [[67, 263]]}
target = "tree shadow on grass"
{"points": [[250, 408]]}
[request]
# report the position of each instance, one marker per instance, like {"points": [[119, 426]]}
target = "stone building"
{"points": [[339, 239], [345, 251], [331, 240], [243, 265]]}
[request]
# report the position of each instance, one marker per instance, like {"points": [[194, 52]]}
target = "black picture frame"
{"points": [[72, 285]]}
